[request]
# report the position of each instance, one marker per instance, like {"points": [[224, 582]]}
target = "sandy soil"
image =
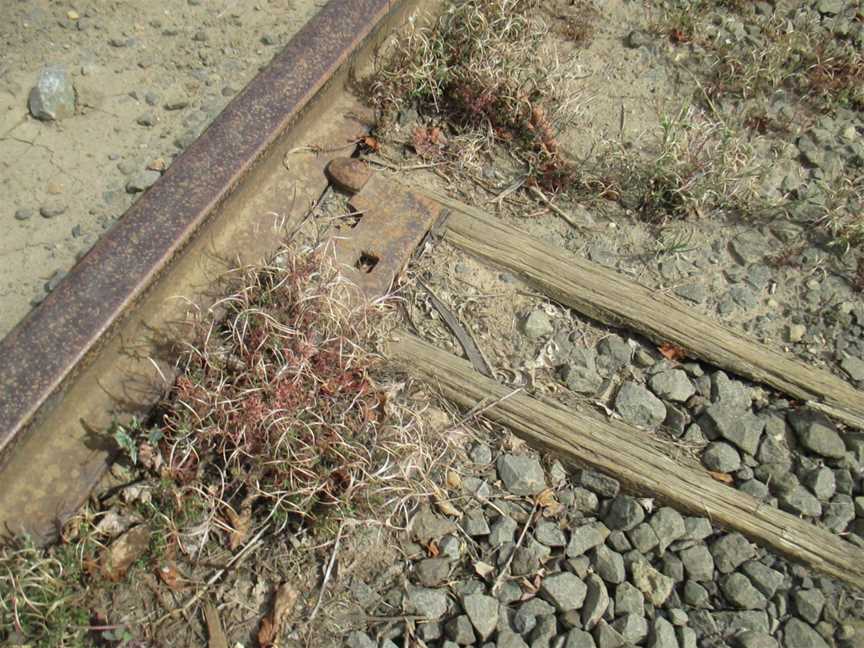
{"points": [[149, 77]]}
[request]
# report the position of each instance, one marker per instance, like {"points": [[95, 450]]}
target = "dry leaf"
{"points": [[271, 625], [428, 143], [169, 575], [371, 143], [448, 509], [721, 477], [672, 352], [124, 551], [483, 569], [432, 549], [454, 481], [547, 500], [241, 523], [215, 632]]}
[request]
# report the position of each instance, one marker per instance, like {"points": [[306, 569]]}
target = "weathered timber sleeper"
{"points": [[633, 457]]}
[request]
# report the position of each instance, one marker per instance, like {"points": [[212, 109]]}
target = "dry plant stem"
{"points": [[567, 217], [327, 573], [479, 410], [506, 570]]}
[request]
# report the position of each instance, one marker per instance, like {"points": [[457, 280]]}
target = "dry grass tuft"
{"points": [[488, 70]]}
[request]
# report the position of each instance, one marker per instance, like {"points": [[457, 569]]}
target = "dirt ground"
{"points": [[148, 78]]}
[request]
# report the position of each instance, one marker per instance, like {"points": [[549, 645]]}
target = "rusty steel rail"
{"points": [[76, 328]]}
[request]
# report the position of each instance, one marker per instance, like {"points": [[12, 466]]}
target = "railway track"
{"points": [[93, 351]]}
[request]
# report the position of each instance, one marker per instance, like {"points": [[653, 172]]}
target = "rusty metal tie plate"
{"points": [[393, 224]]}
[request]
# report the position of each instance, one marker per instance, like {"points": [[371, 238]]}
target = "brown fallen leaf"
{"points": [[371, 143], [271, 625], [241, 523], [124, 551], [672, 352], [215, 633], [721, 477], [454, 480]]}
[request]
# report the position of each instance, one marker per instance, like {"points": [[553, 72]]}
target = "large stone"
{"points": [[521, 475], [609, 565], [564, 590], [751, 639], [639, 406], [731, 622], [655, 586], [460, 630], [632, 627], [596, 601], [822, 482], [797, 634], [669, 526], [508, 639], [729, 392], [662, 634], [739, 591], [730, 551], [599, 483], [538, 325], [427, 526], [629, 600], [577, 638], [801, 501], [432, 571], [624, 513], [482, 610], [818, 434], [586, 537], [743, 428], [580, 373], [605, 636], [721, 457], [763, 578], [809, 604], [698, 562], [838, 514], [53, 96], [550, 534], [503, 531], [673, 385], [643, 538], [430, 603]]}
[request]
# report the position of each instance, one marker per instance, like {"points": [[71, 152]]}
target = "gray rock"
{"points": [[23, 214], [643, 538], [586, 537], [616, 352], [608, 564], [751, 639], [544, 632], [672, 385], [629, 600], [721, 457], [673, 567], [619, 542], [809, 604], [837, 515], [538, 325], [481, 454], [475, 524], [430, 603], [818, 434], [686, 637], [52, 211], [743, 428], [583, 500], [801, 501], [655, 586], [599, 483], [564, 590], [632, 627], [729, 392], [510, 640], [525, 619], [822, 482], [521, 475], [360, 640], [577, 638], [774, 450], [754, 488], [694, 292], [698, 562], [763, 578], [596, 601], [550, 534], [432, 571], [797, 634], [731, 622], [662, 634], [749, 247], [53, 96], [739, 591], [142, 181], [697, 528], [580, 373], [730, 551], [427, 526], [695, 595], [639, 406], [605, 636], [460, 630], [854, 367], [624, 513]]}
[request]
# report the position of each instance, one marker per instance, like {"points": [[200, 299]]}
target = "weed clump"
{"points": [[487, 69]]}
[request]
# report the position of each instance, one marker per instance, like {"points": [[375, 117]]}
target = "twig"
{"points": [[396, 167], [567, 217], [478, 409], [500, 580], [236, 560], [327, 573]]}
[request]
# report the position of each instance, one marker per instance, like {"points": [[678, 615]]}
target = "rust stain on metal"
{"points": [[395, 220], [48, 347]]}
